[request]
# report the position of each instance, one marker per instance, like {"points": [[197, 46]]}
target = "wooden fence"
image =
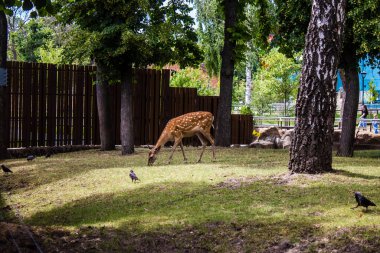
{"points": [[55, 105]]}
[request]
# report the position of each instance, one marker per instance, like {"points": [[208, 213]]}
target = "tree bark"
{"points": [[4, 120], [248, 87], [126, 112], [350, 108], [106, 119], [223, 123], [311, 148]]}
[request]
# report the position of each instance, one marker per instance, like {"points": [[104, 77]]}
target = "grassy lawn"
{"points": [[244, 202]]}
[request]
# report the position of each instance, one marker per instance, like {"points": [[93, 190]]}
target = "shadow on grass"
{"points": [[181, 203], [372, 154], [355, 175], [179, 217]]}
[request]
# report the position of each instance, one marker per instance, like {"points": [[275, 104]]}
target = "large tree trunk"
{"points": [[350, 108], [311, 148], [106, 119], [126, 112], [4, 120], [223, 123]]}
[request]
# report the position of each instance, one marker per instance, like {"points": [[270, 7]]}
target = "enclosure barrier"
{"points": [[55, 105]]}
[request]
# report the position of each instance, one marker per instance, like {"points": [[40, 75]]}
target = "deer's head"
{"points": [[153, 155]]}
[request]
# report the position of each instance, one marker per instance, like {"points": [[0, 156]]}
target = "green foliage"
{"points": [[194, 78], [277, 79], [42, 7], [362, 31], [50, 53], [246, 110], [251, 31], [28, 41], [139, 32], [238, 90], [372, 92], [210, 33]]}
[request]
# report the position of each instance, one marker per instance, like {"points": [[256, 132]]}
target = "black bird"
{"points": [[362, 201], [47, 155], [30, 157], [6, 169], [133, 176]]}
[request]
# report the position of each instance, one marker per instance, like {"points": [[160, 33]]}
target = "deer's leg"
{"points": [[176, 142], [183, 152], [204, 144], [207, 135]]}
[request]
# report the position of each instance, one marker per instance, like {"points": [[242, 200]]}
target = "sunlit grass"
{"points": [[248, 188]]}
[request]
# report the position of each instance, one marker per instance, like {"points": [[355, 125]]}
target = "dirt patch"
{"points": [[235, 183], [290, 178]]}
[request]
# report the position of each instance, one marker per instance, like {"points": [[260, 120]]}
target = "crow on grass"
{"points": [[5, 169], [133, 176], [362, 201]]}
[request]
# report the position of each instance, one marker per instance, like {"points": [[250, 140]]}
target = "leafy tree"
{"points": [[311, 148], [42, 7], [362, 40], [16, 24], [49, 53], [122, 34], [210, 33], [281, 75], [29, 40], [235, 37], [372, 92], [194, 78]]}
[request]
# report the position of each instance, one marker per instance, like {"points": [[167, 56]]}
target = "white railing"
{"points": [[289, 122]]}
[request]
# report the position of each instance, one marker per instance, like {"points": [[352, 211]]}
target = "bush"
{"points": [[194, 78]]}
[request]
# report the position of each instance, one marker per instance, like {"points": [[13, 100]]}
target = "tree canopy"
{"points": [[139, 32]]}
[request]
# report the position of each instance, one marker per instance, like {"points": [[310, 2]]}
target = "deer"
{"points": [[186, 125]]}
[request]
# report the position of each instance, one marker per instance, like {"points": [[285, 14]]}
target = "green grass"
{"points": [[245, 201]]}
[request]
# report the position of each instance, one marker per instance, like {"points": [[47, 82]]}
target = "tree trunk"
{"points": [[4, 120], [248, 87], [311, 148], [106, 120], [350, 108], [223, 124], [126, 112]]}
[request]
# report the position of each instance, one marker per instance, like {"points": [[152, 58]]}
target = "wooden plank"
{"points": [[60, 86], [235, 129], [150, 83], [15, 94], [51, 102], [166, 99], [136, 100], [87, 105], [78, 107], [26, 105], [95, 118], [33, 104], [42, 74], [157, 105], [66, 113]]}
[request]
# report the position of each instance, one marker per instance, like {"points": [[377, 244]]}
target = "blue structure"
{"points": [[373, 74]]}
